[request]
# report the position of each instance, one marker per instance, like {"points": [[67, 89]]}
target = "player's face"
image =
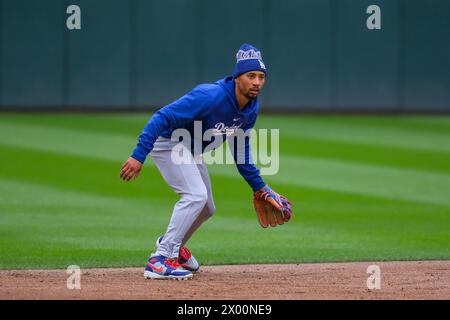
{"points": [[250, 84]]}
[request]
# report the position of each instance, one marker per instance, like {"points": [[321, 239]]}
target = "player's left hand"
{"points": [[130, 169], [271, 208]]}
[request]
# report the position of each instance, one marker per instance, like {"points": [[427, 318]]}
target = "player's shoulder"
{"points": [[209, 91], [208, 88]]}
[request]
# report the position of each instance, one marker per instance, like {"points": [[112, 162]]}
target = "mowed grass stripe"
{"points": [[431, 124], [34, 196], [115, 123], [360, 134], [132, 123], [68, 141], [386, 182], [370, 154], [80, 173], [437, 124], [376, 181]]}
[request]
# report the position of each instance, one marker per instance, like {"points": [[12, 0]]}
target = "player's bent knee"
{"points": [[200, 198], [211, 210]]}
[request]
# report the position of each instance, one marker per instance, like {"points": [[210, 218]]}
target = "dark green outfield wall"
{"points": [[144, 54]]}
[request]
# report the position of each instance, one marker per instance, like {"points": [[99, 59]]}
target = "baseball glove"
{"points": [[271, 208]]}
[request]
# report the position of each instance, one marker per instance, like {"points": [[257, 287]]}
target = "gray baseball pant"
{"points": [[191, 181]]}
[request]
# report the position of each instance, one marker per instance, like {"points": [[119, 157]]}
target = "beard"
{"points": [[250, 97]]}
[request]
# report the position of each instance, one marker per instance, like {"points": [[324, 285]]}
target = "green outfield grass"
{"points": [[363, 188]]}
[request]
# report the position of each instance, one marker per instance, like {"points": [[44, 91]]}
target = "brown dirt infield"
{"points": [[399, 280]]}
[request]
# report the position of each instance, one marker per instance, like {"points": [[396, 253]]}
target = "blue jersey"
{"points": [[216, 106]]}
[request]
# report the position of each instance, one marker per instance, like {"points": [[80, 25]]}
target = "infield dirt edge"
{"points": [[398, 280]]}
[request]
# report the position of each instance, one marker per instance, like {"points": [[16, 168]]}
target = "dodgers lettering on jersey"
{"points": [[216, 106], [221, 129]]}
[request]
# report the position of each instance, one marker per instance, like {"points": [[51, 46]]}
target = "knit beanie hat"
{"points": [[248, 58]]}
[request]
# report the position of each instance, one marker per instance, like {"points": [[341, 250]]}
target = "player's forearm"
{"points": [[241, 153], [149, 134], [251, 174]]}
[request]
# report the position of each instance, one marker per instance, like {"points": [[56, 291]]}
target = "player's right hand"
{"points": [[130, 169]]}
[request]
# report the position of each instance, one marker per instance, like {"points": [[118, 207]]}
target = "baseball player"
{"points": [[223, 107]]}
